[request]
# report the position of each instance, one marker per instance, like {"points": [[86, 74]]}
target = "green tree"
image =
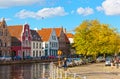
{"points": [[93, 38]]}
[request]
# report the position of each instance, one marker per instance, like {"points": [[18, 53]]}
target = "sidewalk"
{"points": [[96, 71]]}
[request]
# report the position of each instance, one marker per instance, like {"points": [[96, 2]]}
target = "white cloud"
{"points": [[10, 3], [45, 12], [111, 7], [85, 11], [99, 8], [35, 28]]}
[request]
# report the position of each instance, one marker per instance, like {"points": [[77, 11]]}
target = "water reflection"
{"points": [[26, 71]]}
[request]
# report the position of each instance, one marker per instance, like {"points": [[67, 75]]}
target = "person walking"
{"points": [[112, 63], [65, 64], [117, 62]]}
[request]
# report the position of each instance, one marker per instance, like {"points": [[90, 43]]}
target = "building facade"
{"points": [[5, 39], [36, 45], [64, 44], [70, 36], [21, 40], [50, 41]]}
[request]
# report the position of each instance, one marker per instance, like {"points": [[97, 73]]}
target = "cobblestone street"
{"points": [[96, 71]]}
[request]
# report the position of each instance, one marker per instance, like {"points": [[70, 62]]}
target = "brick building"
{"points": [[5, 39]]}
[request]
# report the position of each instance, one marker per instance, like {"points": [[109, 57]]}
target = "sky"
{"points": [[60, 13]]}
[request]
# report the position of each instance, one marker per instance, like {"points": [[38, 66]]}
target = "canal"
{"points": [[25, 71]]}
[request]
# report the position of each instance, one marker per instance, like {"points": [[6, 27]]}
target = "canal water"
{"points": [[25, 71]]}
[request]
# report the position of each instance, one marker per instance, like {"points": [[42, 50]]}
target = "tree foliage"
{"points": [[93, 38]]}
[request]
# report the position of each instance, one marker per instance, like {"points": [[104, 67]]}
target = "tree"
{"points": [[93, 38]]}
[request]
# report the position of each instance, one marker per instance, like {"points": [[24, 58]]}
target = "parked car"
{"points": [[100, 59], [28, 57], [17, 58], [108, 61], [5, 58], [91, 60], [77, 61], [70, 62], [2, 58]]}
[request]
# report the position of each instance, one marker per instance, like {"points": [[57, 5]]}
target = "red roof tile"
{"points": [[58, 31], [45, 33], [15, 31], [69, 35]]}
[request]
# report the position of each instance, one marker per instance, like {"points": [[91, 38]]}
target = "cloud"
{"points": [[45, 12], [11, 3], [35, 28], [99, 8], [85, 11], [110, 7]]}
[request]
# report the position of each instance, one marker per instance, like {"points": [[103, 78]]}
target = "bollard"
{"points": [[57, 73], [74, 75], [60, 74], [84, 77], [65, 74]]}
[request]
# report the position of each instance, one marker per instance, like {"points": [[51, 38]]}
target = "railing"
{"points": [[61, 73]]}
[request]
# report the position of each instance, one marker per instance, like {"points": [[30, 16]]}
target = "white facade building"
{"points": [[50, 41], [36, 45]]}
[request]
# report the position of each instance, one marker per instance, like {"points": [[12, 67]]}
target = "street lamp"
{"points": [[59, 54]]}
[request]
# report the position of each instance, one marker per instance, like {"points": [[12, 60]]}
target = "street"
{"points": [[96, 71]]}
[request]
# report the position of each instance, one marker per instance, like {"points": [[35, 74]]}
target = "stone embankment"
{"points": [[27, 61]]}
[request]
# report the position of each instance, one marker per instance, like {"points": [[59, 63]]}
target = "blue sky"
{"points": [[60, 13]]}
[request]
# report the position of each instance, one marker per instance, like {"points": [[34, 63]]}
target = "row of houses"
{"points": [[20, 40]]}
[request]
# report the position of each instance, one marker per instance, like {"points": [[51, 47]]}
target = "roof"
{"points": [[66, 39], [15, 31], [45, 33], [69, 35], [58, 31], [35, 36]]}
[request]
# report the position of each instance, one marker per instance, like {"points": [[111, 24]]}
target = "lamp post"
{"points": [[59, 54]]}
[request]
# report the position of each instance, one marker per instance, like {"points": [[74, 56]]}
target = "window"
{"points": [[46, 45], [4, 25], [6, 32], [33, 45], [0, 42], [36, 53], [40, 45], [26, 33], [54, 37], [36, 45], [39, 53], [1, 32], [33, 53], [5, 44]]}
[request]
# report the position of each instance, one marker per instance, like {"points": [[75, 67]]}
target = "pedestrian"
{"points": [[112, 63], [117, 62], [65, 64]]}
